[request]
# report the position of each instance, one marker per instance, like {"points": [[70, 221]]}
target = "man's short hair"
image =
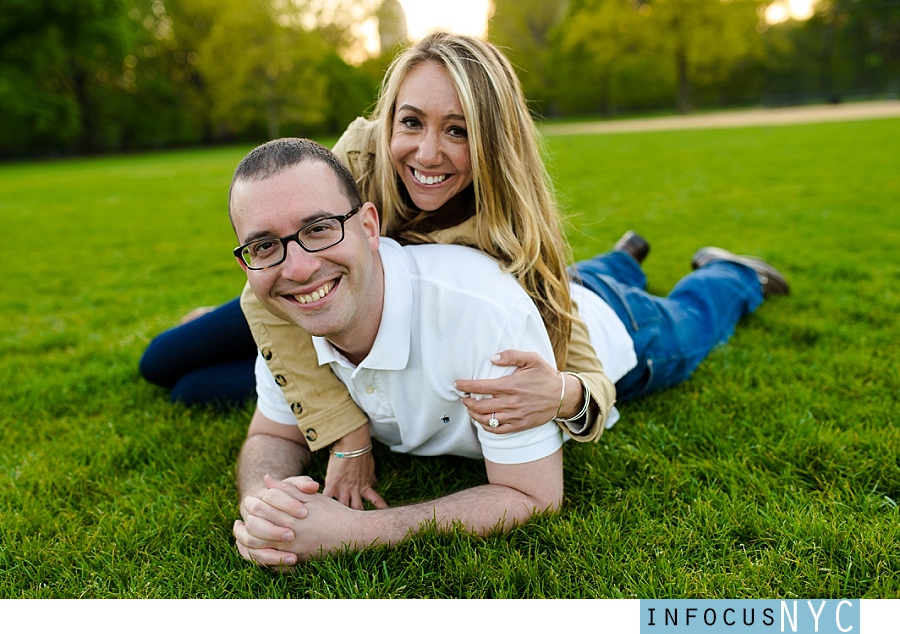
{"points": [[272, 158]]}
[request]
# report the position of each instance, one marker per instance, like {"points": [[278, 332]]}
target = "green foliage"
{"points": [[526, 30], [846, 49], [610, 56], [773, 472], [646, 53], [88, 76], [58, 61], [261, 71], [625, 73], [106, 75], [706, 39]]}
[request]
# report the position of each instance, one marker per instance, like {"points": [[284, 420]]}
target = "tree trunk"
{"points": [[684, 80], [605, 81]]}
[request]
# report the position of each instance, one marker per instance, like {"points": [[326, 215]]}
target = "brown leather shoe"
{"points": [[634, 245], [773, 282]]}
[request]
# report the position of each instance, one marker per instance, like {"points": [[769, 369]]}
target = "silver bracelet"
{"points": [[587, 400], [352, 454], [562, 395]]}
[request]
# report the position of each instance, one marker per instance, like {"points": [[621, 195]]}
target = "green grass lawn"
{"points": [[773, 472]]}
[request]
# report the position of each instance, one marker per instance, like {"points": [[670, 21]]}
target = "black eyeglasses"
{"points": [[318, 235]]}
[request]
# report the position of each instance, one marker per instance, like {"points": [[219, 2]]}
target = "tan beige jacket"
{"points": [[323, 407]]}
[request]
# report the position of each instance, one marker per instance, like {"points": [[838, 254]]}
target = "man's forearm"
{"points": [[480, 510], [262, 454], [517, 494]]}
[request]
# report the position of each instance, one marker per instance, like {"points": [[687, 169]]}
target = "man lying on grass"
{"points": [[398, 325]]}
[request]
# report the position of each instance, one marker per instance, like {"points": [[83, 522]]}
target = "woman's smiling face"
{"points": [[429, 139]]}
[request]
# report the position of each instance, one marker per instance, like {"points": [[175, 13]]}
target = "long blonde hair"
{"points": [[517, 220]]}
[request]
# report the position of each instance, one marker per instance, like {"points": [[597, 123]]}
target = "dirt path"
{"points": [[735, 119]]}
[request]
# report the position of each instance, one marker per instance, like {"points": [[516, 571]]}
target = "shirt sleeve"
{"points": [[356, 150], [524, 331], [583, 359], [319, 402], [269, 399]]}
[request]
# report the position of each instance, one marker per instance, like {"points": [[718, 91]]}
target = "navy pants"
{"points": [[208, 360], [673, 334]]}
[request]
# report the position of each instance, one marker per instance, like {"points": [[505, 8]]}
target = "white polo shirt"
{"points": [[447, 310]]}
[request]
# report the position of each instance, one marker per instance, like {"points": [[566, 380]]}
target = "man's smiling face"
{"points": [[335, 293]]}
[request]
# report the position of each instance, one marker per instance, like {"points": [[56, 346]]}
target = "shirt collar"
{"points": [[392, 343]]}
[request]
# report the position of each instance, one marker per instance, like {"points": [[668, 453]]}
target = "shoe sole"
{"points": [[773, 282]]}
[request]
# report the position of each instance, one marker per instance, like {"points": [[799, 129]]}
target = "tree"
{"points": [[603, 42], [705, 39], [58, 60], [392, 29], [105, 75], [270, 67], [682, 44], [858, 44], [525, 29]]}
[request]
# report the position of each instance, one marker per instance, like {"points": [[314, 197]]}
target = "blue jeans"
{"points": [[673, 334], [208, 360]]}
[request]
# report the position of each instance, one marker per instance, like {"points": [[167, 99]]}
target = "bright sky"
{"points": [[782, 10], [468, 17]]}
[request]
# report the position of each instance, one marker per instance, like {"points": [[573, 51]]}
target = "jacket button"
{"points": [[266, 354], [297, 408], [280, 380], [311, 434]]}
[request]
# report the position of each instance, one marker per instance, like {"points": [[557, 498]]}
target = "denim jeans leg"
{"points": [[614, 264], [672, 335]]}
